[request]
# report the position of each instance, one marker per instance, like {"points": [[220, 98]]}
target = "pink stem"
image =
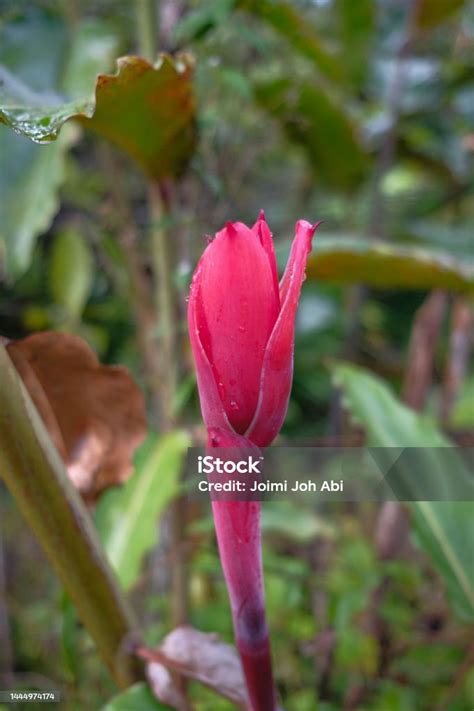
{"points": [[238, 535]]}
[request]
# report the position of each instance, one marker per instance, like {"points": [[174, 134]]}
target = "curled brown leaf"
{"points": [[200, 656], [95, 414]]}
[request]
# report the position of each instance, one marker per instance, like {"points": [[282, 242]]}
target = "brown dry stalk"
{"points": [[421, 354], [460, 344]]}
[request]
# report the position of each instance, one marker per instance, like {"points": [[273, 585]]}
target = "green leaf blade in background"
{"points": [[136, 698], [286, 20], [127, 517], [313, 120], [34, 50], [357, 24], [71, 271], [444, 529], [381, 265], [30, 179]]}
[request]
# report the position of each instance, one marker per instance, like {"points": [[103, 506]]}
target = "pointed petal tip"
{"points": [[261, 215], [305, 225], [308, 229], [231, 229]]}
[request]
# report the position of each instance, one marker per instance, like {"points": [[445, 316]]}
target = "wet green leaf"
{"points": [[36, 50], [381, 265], [444, 529], [146, 110], [127, 517]]}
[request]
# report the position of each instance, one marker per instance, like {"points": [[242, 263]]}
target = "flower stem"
{"points": [[165, 297], [237, 526], [146, 17]]}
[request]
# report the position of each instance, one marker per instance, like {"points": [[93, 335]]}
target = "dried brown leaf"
{"points": [[164, 687], [95, 414], [203, 657]]}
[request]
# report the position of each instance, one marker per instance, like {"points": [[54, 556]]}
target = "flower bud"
{"points": [[242, 323]]}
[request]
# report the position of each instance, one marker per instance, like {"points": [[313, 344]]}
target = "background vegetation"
{"points": [[357, 113]]}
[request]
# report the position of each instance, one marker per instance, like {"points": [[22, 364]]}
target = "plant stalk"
{"points": [[165, 297], [238, 534], [146, 17], [35, 475]]}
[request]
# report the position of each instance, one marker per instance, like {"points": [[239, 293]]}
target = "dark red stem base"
{"points": [[256, 663]]}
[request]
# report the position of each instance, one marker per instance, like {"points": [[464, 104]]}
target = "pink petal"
{"points": [[235, 311], [262, 231], [212, 408], [277, 369]]}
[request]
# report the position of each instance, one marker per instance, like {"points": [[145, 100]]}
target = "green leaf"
{"points": [[445, 529], [93, 50], [127, 517], [430, 13], [286, 20], [70, 646], [71, 271], [136, 698], [198, 21], [462, 416], [356, 28], [294, 522], [60, 521], [381, 265], [314, 121], [146, 110], [30, 177]]}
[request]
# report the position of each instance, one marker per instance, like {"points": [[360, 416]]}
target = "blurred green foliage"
{"points": [[357, 113]]}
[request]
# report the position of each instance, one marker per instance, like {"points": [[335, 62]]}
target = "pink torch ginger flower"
{"points": [[241, 325]]}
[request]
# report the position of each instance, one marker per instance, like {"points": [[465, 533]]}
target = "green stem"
{"points": [[165, 297], [147, 27], [166, 303], [36, 478]]}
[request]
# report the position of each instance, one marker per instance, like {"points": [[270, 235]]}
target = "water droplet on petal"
{"points": [[234, 405]]}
